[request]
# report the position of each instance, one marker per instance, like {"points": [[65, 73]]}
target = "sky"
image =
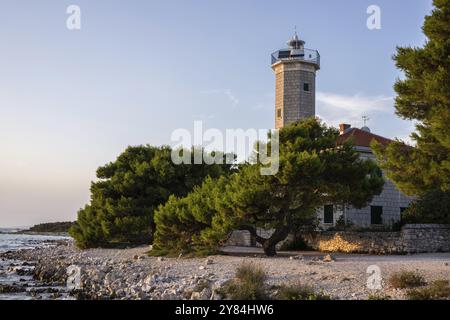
{"points": [[72, 100]]}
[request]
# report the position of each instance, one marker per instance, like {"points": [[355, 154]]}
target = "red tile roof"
{"points": [[362, 138]]}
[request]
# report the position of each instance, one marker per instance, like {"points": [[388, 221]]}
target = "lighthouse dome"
{"points": [[295, 42]]}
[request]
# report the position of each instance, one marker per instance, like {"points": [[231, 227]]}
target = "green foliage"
{"points": [[439, 289], [183, 224], [248, 284], [406, 279], [312, 171], [423, 96], [57, 227], [432, 207], [128, 191], [342, 225], [299, 292]]}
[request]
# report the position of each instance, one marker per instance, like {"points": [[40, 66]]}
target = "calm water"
{"points": [[9, 242], [8, 275]]}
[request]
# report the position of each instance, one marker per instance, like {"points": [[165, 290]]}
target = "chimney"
{"points": [[343, 127]]}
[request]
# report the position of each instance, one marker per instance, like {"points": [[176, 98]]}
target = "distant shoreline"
{"points": [[46, 229], [36, 233]]}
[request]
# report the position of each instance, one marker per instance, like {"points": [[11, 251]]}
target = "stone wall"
{"points": [[414, 238], [240, 238], [426, 238]]}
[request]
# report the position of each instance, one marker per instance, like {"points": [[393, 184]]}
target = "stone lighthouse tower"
{"points": [[295, 76]]}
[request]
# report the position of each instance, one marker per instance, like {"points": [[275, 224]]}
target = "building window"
{"points": [[376, 213], [306, 86], [328, 214], [279, 113]]}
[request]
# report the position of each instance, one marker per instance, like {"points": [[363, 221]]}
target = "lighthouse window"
{"points": [[279, 113], [306, 86], [283, 54]]}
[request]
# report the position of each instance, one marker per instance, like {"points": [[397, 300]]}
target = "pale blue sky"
{"points": [[71, 101]]}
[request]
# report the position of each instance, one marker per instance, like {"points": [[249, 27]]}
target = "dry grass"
{"points": [[249, 283], [299, 292], [406, 279], [437, 290], [378, 297]]}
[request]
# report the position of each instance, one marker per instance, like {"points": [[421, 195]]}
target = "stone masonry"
{"points": [[391, 199], [292, 102], [413, 238]]}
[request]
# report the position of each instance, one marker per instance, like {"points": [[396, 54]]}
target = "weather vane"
{"points": [[365, 119]]}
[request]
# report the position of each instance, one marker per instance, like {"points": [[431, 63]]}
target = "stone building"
{"points": [[295, 89], [385, 209], [295, 77]]}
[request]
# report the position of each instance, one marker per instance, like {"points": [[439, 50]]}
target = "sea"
{"points": [[30, 289]]}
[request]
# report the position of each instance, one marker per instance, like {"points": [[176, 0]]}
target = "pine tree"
{"points": [[128, 191], [313, 171], [423, 96]]}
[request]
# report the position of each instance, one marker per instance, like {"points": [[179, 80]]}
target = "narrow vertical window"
{"points": [[376, 215], [328, 214], [305, 86]]}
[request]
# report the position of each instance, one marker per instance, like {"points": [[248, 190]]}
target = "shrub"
{"points": [[432, 207], [297, 243], [341, 225], [299, 292], [378, 297], [406, 279], [249, 284], [439, 289]]}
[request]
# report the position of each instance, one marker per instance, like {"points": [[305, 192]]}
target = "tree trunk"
{"points": [[269, 248], [152, 230], [269, 245]]}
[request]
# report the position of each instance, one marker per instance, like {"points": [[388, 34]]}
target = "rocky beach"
{"points": [[41, 273], [17, 280]]}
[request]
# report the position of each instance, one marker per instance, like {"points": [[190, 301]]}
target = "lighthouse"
{"points": [[295, 82]]}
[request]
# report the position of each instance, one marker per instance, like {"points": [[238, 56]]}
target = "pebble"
{"points": [[116, 275]]}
